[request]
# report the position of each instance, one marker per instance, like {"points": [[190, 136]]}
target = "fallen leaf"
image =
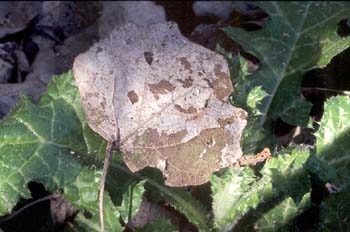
{"points": [[165, 99]]}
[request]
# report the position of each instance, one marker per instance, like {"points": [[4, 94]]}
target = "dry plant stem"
{"points": [[49, 197], [347, 93], [106, 164], [247, 160]]}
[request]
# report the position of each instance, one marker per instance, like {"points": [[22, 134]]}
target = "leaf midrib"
{"points": [[290, 55]]}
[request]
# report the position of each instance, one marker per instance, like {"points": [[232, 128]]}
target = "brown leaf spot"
{"points": [[190, 110], [222, 86], [186, 83], [133, 97], [161, 88]]}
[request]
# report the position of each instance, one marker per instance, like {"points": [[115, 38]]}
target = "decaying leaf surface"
{"points": [[166, 97]]}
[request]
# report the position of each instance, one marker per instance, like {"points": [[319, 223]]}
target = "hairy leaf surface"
{"points": [[242, 200], [333, 152]]}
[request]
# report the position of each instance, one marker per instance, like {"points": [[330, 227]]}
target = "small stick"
{"points": [[254, 159], [109, 149], [310, 89], [49, 197]]}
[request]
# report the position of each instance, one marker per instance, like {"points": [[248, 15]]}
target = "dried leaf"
{"points": [[166, 98]]}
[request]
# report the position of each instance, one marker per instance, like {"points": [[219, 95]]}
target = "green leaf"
{"points": [[180, 199], [333, 166], [332, 147], [160, 225], [83, 193], [183, 201], [335, 212], [243, 200], [297, 37], [37, 142], [50, 142], [233, 195], [131, 201], [279, 218]]}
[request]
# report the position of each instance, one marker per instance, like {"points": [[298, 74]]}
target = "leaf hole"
{"points": [[343, 28], [27, 220], [251, 18], [148, 57], [87, 214], [319, 84]]}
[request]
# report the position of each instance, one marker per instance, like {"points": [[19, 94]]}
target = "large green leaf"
{"points": [[50, 142], [38, 143], [243, 200], [297, 37]]}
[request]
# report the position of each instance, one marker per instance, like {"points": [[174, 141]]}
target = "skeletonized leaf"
{"points": [[165, 99]]}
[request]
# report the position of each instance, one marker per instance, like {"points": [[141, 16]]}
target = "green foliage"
{"points": [[335, 212], [288, 47], [41, 142], [160, 225], [277, 193], [180, 199], [131, 201], [333, 149], [83, 194], [51, 143], [255, 137], [184, 202], [297, 37]]}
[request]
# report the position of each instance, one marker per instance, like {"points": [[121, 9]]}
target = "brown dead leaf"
{"points": [[166, 97]]}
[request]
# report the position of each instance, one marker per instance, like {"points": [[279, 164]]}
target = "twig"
{"points": [[49, 197], [106, 164], [344, 92], [254, 159]]}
